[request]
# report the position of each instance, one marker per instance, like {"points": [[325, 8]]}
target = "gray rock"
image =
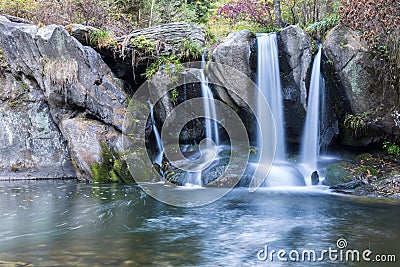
{"points": [[315, 178], [118, 55], [295, 52], [348, 185], [350, 55], [352, 62], [81, 32], [235, 51], [84, 141], [48, 81]]}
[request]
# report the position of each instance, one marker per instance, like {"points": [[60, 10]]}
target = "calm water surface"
{"points": [[72, 224]]}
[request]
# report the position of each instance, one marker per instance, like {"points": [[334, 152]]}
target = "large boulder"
{"points": [[296, 57], [48, 80], [367, 98], [127, 59], [236, 51]]}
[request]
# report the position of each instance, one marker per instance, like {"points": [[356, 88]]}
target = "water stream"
{"points": [[269, 81], [311, 135], [160, 148], [211, 125], [194, 179], [282, 172]]}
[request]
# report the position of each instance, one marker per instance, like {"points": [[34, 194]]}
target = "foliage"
{"points": [[357, 124], [146, 46], [391, 148], [112, 169], [378, 22], [190, 49], [251, 10], [191, 11], [322, 26], [101, 38], [174, 96], [18, 8], [171, 64], [305, 12]]}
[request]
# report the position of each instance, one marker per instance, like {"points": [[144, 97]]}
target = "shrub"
{"points": [[101, 38], [391, 148], [357, 124], [190, 50], [322, 26]]}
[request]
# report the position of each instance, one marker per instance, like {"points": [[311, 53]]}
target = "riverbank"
{"points": [[373, 175]]}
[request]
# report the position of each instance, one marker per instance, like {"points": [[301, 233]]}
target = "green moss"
{"points": [[366, 171], [366, 158], [338, 173], [112, 169]]}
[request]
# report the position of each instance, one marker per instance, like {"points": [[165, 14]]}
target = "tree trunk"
{"points": [[151, 12], [277, 10]]}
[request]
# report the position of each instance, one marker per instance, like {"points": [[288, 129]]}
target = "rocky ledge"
{"points": [[366, 175]]}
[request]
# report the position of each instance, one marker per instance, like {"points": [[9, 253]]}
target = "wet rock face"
{"points": [[295, 60], [352, 62], [48, 80]]}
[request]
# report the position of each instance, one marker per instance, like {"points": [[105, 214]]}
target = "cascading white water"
{"points": [[269, 81], [160, 148], [311, 134], [211, 125], [209, 106]]}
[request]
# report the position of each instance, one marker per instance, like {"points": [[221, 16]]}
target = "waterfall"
{"points": [[209, 106], [211, 126], [311, 133], [281, 173], [269, 81], [160, 149]]}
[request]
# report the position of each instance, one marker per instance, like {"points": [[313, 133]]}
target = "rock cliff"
{"points": [[369, 101], [59, 101]]}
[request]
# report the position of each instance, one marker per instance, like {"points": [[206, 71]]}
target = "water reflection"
{"points": [[68, 223]]}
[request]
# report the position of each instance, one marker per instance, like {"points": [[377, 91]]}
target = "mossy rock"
{"points": [[337, 174], [365, 170], [112, 169], [366, 158]]}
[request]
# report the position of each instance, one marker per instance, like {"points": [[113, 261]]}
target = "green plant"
{"points": [[391, 148], [211, 38], [174, 96], [357, 124], [112, 169], [144, 45], [101, 38], [172, 65], [330, 62], [190, 49], [322, 26]]}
